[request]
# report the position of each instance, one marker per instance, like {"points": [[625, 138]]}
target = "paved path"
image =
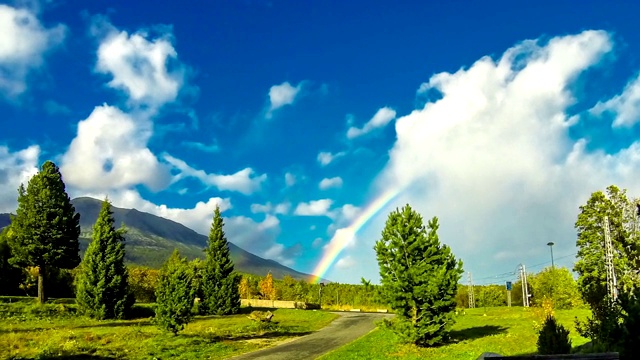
{"points": [[343, 330]]}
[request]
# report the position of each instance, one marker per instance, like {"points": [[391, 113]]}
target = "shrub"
{"points": [[553, 338], [175, 294]]}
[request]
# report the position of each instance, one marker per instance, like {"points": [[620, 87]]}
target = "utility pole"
{"points": [[612, 284], [472, 300], [525, 288]]}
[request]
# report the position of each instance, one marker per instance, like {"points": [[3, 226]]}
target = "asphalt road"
{"points": [[343, 330]]}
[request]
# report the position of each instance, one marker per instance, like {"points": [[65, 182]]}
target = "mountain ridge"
{"points": [[150, 239]]}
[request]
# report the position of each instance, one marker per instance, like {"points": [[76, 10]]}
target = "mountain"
{"points": [[150, 240], [4, 220]]}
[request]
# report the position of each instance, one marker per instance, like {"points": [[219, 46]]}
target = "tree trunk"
{"points": [[41, 274]]}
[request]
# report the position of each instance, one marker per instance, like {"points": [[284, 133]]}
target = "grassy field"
{"points": [[30, 331], [506, 331]]}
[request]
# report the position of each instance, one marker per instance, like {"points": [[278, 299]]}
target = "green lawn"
{"points": [[506, 331], [54, 330]]}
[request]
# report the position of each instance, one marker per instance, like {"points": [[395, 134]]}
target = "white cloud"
{"points": [[625, 106], [494, 160], [212, 148], [141, 67], [382, 117], [327, 183], [314, 208], [316, 243], [346, 262], [290, 179], [244, 181], [23, 44], [15, 168], [110, 152], [282, 95], [281, 209], [325, 158]]}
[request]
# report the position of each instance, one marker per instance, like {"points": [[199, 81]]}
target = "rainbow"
{"points": [[344, 236]]}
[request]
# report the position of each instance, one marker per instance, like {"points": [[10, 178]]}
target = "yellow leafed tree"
{"points": [[267, 288]]}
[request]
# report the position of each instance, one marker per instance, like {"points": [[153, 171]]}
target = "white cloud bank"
{"points": [[493, 158], [382, 117], [110, 152], [23, 43]]}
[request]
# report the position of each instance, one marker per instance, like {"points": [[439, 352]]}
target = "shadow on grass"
{"points": [[476, 332]]}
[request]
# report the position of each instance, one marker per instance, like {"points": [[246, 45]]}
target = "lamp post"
{"points": [[550, 244]]}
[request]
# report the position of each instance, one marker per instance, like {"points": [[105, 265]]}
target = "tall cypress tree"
{"points": [[419, 277], [46, 226], [103, 285], [220, 293]]}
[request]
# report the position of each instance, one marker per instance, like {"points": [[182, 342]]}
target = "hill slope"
{"points": [[150, 240]]}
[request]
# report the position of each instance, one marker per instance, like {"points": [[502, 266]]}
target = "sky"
{"points": [[307, 122]]}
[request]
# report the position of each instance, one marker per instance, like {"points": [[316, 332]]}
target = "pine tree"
{"points": [[103, 290], [419, 277], [220, 292], [175, 294], [46, 226]]}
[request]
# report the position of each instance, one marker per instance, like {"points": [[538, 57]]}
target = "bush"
{"points": [[553, 338], [175, 294]]}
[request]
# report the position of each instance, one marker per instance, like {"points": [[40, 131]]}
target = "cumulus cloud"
{"points": [[314, 208], [282, 95], [110, 152], [382, 117], [327, 183], [244, 181], [23, 44], [15, 168], [625, 106], [494, 160], [325, 158], [147, 70]]}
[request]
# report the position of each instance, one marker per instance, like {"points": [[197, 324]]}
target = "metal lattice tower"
{"points": [[472, 299], [612, 285]]}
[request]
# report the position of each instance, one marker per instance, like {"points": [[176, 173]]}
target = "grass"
{"points": [[506, 331], [31, 331]]}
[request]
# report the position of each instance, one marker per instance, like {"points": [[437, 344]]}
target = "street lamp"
{"points": [[550, 244]]}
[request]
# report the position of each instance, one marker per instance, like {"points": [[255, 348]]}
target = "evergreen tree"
{"points": [[220, 291], [46, 226], [175, 294], [103, 290], [419, 277]]}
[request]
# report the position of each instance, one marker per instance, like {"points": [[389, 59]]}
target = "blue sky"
{"points": [[294, 115]]}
